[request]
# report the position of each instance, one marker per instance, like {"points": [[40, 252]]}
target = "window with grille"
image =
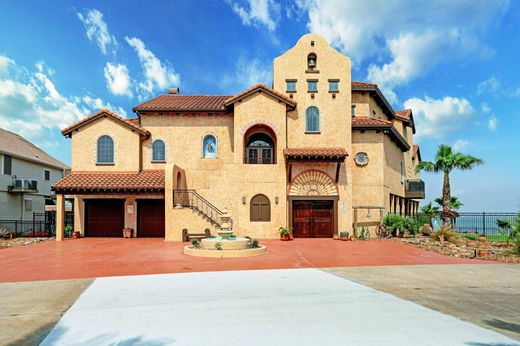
{"points": [[312, 119], [260, 149], [158, 151], [105, 149], [260, 209]]}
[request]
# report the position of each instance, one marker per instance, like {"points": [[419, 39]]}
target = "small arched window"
{"points": [[312, 121], [209, 150], [105, 149], [311, 61], [260, 209], [158, 151]]}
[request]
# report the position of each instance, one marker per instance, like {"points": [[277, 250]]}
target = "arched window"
{"points": [[312, 122], [158, 151], [311, 61], [209, 150], [105, 149], [260, 209], [260, 145]]}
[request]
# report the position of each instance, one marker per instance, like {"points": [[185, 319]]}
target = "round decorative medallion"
{"points": [[361, 159]]}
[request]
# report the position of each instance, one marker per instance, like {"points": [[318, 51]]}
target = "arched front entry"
{"points": [[313, 199]]}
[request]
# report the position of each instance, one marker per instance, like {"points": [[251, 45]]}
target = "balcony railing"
{"points": [[23, 185], [414, 188]]}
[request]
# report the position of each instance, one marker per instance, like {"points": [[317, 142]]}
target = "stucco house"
{"points": [[27, 174], [305, 153]]}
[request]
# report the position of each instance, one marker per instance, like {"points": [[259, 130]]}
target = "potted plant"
{"points": [[68, 231], [344, 236], [127, 232], [285, 233], [75, 234]]}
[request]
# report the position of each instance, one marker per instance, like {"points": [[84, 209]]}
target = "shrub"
{"points": [[448, 233], [253, 243], [412, 225], [393, 223], [195, 243], [363, 233], [218, 246]]}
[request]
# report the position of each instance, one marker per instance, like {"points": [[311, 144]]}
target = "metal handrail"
{"points": [[190, 198]]}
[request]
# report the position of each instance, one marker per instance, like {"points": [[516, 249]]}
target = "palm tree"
{"points": [[455, 203], [446, 161], [430, 211]]}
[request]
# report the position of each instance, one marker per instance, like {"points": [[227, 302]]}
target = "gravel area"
{"points": [[466, 249], [5, 243]]}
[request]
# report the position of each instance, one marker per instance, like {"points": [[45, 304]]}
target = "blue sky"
{"points": [[455, 63]]}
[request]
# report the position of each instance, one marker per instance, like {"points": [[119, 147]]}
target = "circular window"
{"points": [[361, 159]]}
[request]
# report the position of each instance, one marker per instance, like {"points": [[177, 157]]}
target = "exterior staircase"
{"points": [[191, 199]]}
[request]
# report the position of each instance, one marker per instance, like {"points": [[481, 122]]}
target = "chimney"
{"points": [[174, 91]]}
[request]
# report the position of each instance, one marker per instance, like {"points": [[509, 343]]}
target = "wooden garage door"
{"points": [[104, 217], [150, 218], [313, 219]]}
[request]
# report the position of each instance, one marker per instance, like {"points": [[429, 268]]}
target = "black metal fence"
{"points": [[471, 225], [41, 225]]}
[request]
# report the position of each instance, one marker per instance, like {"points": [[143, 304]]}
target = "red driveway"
{"points": [[96, 257]]}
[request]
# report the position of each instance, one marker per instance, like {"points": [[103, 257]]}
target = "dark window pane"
{"points": [[105, 149], [158, 151], [8, 164], [47, 175]]}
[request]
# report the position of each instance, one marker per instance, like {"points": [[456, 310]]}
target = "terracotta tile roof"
{"points": [[416, 152], [368, 121], [183, 103], [404, 114], [363, 85], [323, 152], [282, 97], [17, 146], [147, 180], [134, 121], [105, 112]]}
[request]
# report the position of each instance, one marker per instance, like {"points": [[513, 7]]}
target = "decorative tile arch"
{"points": [[313, 183], [259, 121]]}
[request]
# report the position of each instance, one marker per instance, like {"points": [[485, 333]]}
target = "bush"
{"points": [[195, 243], [284, 231], [448, 233], [393, 223], [254, 244], [412, 225], [363, 233]]}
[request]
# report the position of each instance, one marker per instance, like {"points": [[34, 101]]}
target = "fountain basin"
{"points": [[248, 252], [225, 244]]}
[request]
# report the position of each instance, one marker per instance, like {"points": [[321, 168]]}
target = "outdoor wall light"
{"points": [[276, 200], [243, 199], [369, 215]]}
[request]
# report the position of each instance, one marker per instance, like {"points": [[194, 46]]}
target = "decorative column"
{"points": [[60, 216]]}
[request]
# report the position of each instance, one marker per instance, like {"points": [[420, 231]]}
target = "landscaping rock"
{"points": [[426, 230]]}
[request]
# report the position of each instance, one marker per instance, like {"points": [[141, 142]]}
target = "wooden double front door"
{"points": [[313, 219]]}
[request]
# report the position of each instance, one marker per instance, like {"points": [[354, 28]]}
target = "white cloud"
{"points": [[117, 79], [485, 107], [411, 37], [491, 85], [460, 145], [257, 12], [247, 73], [435, 118], [97, 30], [492, 123], [32, 105], [158, 75]]}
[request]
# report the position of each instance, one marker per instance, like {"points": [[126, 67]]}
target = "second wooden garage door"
{"points": [[313, 219], [150, 218], [104, 217]]}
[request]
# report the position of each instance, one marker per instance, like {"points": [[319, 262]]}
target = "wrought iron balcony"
{"points": [[414, 188], [23, 185]]}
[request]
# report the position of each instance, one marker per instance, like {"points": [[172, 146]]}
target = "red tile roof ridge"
{"points": [[105, 111], [275, 93]]}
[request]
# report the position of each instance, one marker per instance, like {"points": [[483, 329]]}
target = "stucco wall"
{"points": [[126, 146]]}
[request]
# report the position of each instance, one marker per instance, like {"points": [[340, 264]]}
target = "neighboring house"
{"points": [[305, 153], [26, 176]]}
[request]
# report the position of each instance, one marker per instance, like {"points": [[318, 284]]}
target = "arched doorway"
{"points": [[313, 205]]}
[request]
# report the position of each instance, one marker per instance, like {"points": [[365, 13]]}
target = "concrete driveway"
{"points": [[262, 307]]}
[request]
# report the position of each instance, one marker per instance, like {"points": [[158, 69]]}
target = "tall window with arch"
{"points": [[158, 151], [105, 150], [312, 119], [260, 146], [209, 150]]}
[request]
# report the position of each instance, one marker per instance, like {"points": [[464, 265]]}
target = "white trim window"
{"points": [[158, 151], [105, 150]]}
